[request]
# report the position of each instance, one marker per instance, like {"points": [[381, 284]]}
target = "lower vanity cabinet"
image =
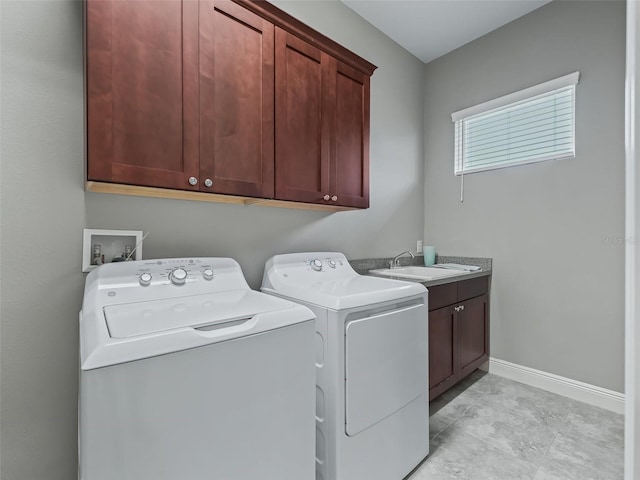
{"points": [[458, 332]]}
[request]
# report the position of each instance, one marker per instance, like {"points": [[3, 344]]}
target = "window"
{"points": [[528, 126]]}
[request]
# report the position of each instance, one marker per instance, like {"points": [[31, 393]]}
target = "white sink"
{"points": [[418, 273]]}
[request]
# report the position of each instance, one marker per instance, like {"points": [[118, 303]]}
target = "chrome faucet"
{"points": [[395, 263]]}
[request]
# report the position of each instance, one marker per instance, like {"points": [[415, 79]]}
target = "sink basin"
{"points": [[417, 273]]}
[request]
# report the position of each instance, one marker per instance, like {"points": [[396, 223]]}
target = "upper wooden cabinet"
{"points": [[322, 139], [224, 97]]}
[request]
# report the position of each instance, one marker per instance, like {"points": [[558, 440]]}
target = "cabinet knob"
{"points": [[208, 182], [334, 198], [327, 197], [193, 181], [457, 309], [461, 307]]}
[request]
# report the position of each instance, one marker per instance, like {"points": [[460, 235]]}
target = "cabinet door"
{"points": [[350, 138], [236, 100], [142, 95], [302, 114], [441, 351], [472, 334]]}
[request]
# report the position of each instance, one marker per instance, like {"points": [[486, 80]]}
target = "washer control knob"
{"points": [[178, 276], [145, 279], [316, 265], [207, 273], [332, 263]]}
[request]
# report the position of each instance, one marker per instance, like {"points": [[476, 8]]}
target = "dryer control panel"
{"points": [[309, 267], [326, 262]]}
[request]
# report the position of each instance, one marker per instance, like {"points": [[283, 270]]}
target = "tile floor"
{"points": [[492, 428]]}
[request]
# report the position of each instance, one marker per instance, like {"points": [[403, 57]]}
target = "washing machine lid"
{"points": [[136, 310], [124, 333], [333, 285], [208, 311]]}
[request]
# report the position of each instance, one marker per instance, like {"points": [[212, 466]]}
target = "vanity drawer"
{"points": [[472, 288], [443, 295]]}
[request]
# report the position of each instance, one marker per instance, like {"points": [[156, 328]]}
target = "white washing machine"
{"points": [[187, 374], [372, 373]]}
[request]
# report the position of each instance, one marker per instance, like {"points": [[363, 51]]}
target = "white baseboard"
{"points": [[583, 392]]}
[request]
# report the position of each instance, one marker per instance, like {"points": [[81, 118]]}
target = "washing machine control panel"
{"points": [[176, 272], [174, 277]]}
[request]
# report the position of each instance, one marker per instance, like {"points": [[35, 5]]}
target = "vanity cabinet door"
{"points": [[472, 334], [442, 360]]}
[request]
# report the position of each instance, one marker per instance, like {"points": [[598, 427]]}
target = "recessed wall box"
{"points": [[106, 246]]}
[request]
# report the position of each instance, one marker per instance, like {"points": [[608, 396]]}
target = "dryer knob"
{"points": [[332, 263], [316, 265], [178, 276], [207, 274], [145, 279]]}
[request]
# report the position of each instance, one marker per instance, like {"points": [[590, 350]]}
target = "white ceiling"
{"points": [[431, 28]]}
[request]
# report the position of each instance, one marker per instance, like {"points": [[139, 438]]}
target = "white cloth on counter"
{"points": [[457, 266]]}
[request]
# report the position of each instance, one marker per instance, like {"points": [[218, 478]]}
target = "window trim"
{"points": [[570, 80]]}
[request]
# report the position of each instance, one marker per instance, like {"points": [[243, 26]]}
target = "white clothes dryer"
{"points": [[188, 374], [372, 373]]}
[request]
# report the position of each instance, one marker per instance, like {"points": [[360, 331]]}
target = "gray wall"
{"points": [[44, 209], [554, 229]]}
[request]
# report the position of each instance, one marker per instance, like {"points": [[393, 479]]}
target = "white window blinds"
{"points": [[531, 125]]}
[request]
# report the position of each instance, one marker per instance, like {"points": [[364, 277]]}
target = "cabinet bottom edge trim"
{"points": [[156, 192]]}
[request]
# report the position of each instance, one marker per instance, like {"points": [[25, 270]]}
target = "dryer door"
{"points": [[386, 364]]}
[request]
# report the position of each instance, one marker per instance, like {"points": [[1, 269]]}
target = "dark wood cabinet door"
{"points": [[472, 334], [236, 100], [442, 365], [350, 138], [142, 95], [302, 114]]}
